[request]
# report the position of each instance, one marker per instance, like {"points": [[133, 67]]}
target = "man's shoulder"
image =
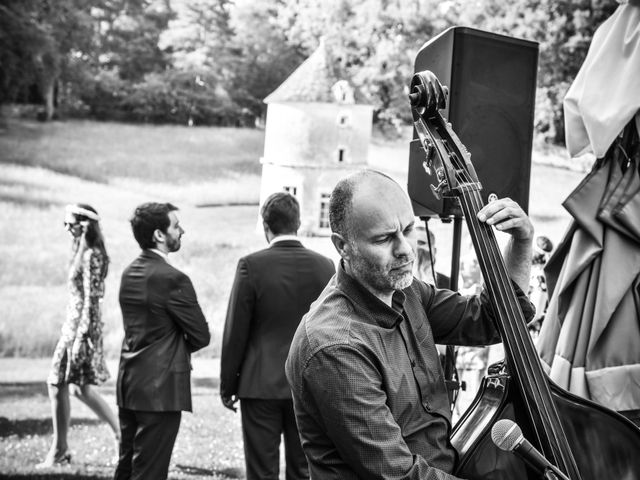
{"points": [[257, 255], [329, 319], [318, 255], [310, 253], [285, 248], [151, 265]]}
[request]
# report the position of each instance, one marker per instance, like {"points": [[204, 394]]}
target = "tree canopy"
{"points": [[214, 61]]}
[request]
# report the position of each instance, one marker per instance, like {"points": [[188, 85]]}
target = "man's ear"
{"points": [[266, 229], [158, 236], [342, 246], [268, 234]]}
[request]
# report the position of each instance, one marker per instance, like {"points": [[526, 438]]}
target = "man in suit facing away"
{"points": [[163, 324], [272, 290]]}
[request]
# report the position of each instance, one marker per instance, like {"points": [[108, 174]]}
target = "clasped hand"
{"points": [[507, 216], [229, 402]]}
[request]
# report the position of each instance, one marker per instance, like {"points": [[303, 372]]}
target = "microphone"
{"points": [[508, 436]]}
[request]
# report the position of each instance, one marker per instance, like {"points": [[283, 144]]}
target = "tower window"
{"points": [[344, 119], [290, 189], [324, 210], [342, 152]]}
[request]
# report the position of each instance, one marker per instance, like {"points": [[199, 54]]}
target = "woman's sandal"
{"points": [[54, 461]]}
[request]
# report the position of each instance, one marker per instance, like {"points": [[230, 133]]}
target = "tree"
{"points": [[263, 55], [39, 38], [375, 41], [379, 39], [236, 52], [19, 38], [563, 28], [200, 35], [130, 34], [200, 43]]}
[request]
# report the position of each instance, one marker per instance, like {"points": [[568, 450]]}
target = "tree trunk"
{"points": [[48, 92]]}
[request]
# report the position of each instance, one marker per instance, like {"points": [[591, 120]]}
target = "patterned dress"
{"points": [[79, 357]]}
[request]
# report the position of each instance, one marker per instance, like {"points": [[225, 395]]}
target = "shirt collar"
{"points": [[283, 238], [161, 253], [375, 309]]}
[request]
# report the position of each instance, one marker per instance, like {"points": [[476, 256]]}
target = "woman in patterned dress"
{"points": [[78, 360]]}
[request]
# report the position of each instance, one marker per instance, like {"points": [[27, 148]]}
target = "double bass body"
{"points": [[605, 445]]}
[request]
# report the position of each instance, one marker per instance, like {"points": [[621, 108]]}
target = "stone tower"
{"points": [[315, 134]]}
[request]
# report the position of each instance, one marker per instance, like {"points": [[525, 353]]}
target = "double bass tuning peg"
{"points": [[426, 94], [429, 152], [442, 184]]}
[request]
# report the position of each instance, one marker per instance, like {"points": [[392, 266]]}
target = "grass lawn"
{"points": [[209, 444], [115, 167]]}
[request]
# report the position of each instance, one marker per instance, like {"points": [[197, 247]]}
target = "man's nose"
{"points": [[404, 246]]}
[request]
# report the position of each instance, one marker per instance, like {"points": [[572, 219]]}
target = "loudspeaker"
{"points": [[492, 86]]}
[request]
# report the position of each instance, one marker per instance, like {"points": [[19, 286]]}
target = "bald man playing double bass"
{"points": [[368, 390]]}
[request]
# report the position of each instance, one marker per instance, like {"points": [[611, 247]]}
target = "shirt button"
{"points": [[426, 405]]}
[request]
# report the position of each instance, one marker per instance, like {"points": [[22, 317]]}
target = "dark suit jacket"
{"points": [[163, 324], [272, 290]]}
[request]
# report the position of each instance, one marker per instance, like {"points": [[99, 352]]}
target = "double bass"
{"points": [[582, 439]]}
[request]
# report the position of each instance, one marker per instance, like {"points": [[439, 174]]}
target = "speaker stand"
{"points": [[455, 252], [451, 378]]}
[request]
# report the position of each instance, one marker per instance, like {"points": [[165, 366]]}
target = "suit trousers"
{"points": [[263, 422], [146, 444]]}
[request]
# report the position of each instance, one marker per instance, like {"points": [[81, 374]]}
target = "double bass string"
{"points": [[497, 290], [504, 296], [501, 288]]}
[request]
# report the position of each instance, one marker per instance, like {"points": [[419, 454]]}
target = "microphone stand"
{"points": [[552, 473]]}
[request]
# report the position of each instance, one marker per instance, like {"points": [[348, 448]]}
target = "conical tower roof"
{"points": [[312, 81]]}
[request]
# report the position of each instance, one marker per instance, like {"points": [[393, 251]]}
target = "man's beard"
{"points": [[173, 244], [380, 280]]}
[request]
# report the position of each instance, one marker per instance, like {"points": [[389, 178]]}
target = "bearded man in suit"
{"points": [[163, 325], [272, 290]]}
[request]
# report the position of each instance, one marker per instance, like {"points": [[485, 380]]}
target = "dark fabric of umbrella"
{"points": [[590, 338]]}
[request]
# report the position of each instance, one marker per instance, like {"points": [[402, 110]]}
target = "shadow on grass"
{"points": [[55, 476], [227, 472], [37, 426], [230, 473], [19, 390], [22, 389], [24, 199], [201, 382]]}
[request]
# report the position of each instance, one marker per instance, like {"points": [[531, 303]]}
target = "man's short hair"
{"points": [[341, 200], [281, 212], [149, 217], [340, 206]]}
